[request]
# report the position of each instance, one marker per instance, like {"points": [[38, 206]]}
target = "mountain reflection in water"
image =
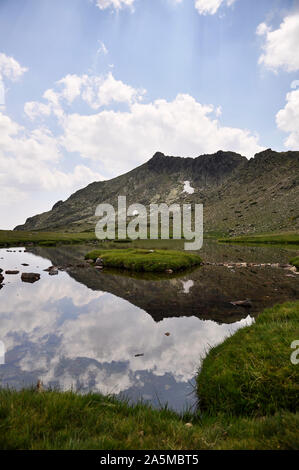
{"points": [[83, 329]]}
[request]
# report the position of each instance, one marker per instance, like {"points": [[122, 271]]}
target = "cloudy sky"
{"points": [[92, 88]]}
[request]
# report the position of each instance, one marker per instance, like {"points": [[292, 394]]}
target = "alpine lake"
{"points": [[139, 337]]}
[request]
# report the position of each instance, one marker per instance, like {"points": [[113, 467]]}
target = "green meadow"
{"points": [[279, 239]]}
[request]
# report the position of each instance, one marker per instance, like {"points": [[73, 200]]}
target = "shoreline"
{"points": [[37, 419]]}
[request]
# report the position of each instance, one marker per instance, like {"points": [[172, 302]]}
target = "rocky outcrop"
{"points": [[58, 204]]}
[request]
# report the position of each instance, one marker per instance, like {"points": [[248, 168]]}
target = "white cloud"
{"points": [[34, 109], [10, 68], [115, 4], [29, 162], [71, 87], [204, 7], [100, 91], [262, 29], [280, 48], [117, 141], [16, 143], [287, 120], [219, 111], [210, 7], [181, 127], [2, 93], [102, 49], [96, 90]]}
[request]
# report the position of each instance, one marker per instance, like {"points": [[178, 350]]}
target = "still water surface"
{"points": [[83, 329]]}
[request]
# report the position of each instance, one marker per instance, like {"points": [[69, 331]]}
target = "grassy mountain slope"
{"points": [[240, 196]]}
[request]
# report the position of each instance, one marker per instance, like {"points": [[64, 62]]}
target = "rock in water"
{"points": [[11, 272], [49, 269], [30, 277], [53, 272]]}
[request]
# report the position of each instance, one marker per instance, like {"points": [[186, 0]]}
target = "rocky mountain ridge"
{"points": [[240, 196]]}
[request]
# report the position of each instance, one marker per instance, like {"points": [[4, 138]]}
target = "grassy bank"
{"points": [[20, 238], [145, 260], [251, 373], [56, 420], [248, 391], [295, 262], [279, 239]]}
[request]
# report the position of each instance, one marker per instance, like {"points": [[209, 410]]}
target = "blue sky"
{"points": [[185, 77]]}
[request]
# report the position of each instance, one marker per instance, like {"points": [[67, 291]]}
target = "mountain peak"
{"points": [[238, 194], [158, 155], [265, 153]]}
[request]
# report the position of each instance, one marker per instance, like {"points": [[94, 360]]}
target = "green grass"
{"points": [[66, 420], [18, 238], [251, 373], [139, 260], [295, 262], [282, 238]]}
